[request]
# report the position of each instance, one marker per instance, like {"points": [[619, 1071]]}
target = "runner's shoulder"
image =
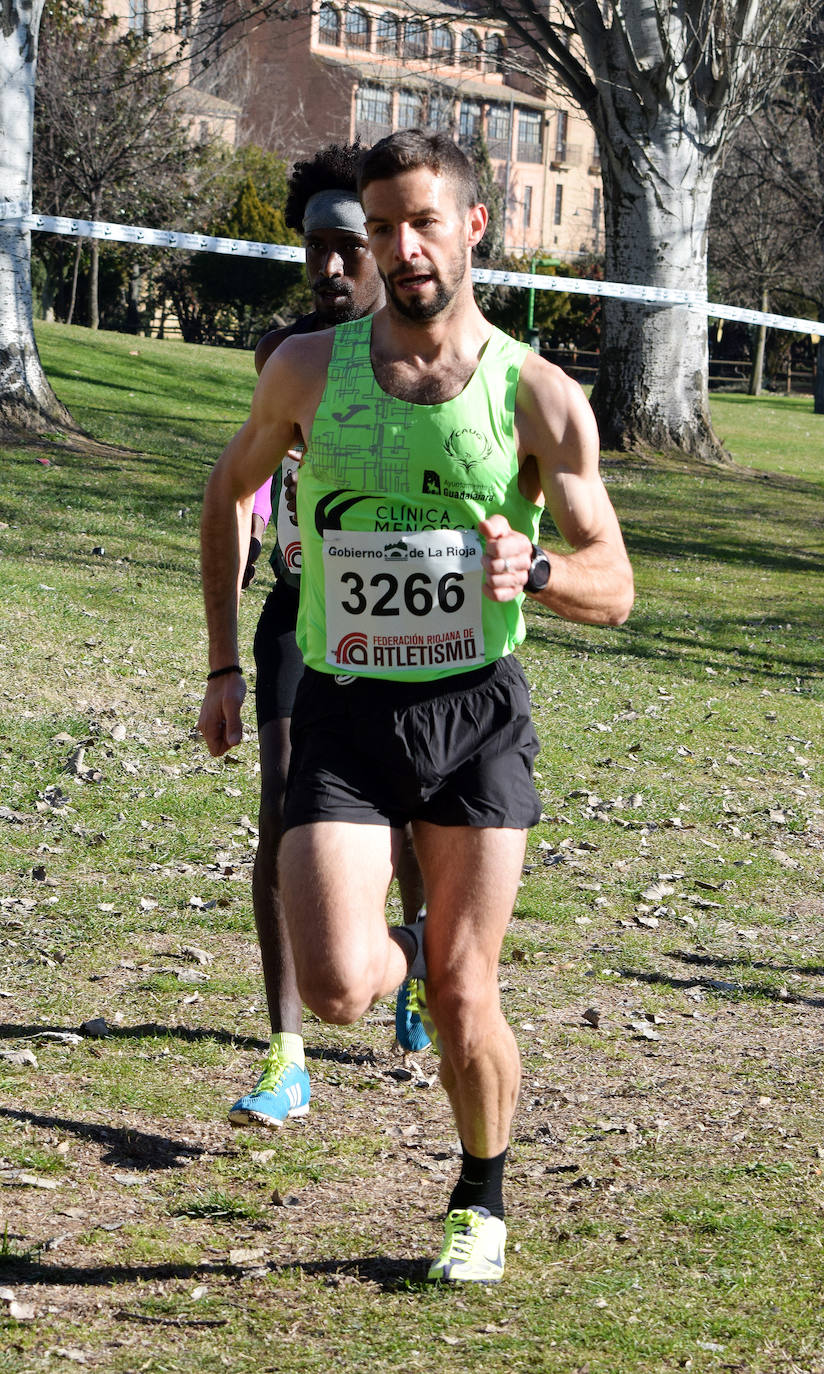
{"points": [[550, 404]]}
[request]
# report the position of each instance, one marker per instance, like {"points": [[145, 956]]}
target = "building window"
{"points": [[529, 136], [561, 130], [441, 112], [470, 123], [596, 209], [443, 49], [527, 206], [329, 25], [498, 131], [414, 39], [410, 110], [183, 17], [139, 16], [559, 205], [494, 53], [388, 34], [470, 49], [373, 113], [356, 29]]}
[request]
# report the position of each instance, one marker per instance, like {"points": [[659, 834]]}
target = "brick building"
{"points": [[332, 69], [340, 69]]}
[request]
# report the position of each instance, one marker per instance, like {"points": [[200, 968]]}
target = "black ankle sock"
{"points": [[480, 1184], [410, 939]]}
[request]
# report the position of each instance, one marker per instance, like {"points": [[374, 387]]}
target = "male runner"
{"points": [[433, 441], [322, 201]]}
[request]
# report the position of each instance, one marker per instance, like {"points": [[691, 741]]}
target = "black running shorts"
{"points": [[455, 751], [277, 657]]}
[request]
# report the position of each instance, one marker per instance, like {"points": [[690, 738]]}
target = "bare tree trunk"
{"points": [[652, 387], [94, 277], [94, 268], [78, 249], [757, 373], [818, 384], [27, 402]]}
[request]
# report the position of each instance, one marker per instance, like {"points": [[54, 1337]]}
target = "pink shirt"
{"points": [[263, 501]]}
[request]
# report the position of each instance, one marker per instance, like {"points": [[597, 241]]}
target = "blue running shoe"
{"points": [[281, 1091], [409, 1029]]}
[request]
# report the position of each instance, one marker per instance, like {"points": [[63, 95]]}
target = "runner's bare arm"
{"points": [[556, 428], [286, 395]]}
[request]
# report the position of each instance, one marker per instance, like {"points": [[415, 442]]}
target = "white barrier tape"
{"points": [[650, 295], [245, 248], [161, 238]]}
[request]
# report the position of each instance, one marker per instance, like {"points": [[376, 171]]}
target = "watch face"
{"points": [[538, 572]]}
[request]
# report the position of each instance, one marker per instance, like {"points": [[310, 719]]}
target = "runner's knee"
{"points": [[335, 995]]}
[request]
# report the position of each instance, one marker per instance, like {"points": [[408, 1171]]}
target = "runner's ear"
{"points": [[477, 220]]}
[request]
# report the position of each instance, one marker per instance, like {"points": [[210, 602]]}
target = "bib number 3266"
{"points": [[398, 603]]}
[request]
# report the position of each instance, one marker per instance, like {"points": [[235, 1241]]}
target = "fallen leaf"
{"points": [[19, 1057], [657, 891], [243, 1257], [22, 1311], [592, 1016], [200, 956]]}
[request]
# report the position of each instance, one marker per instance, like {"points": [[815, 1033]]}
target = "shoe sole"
{"points": [[246, 1118], [441, 1278]]}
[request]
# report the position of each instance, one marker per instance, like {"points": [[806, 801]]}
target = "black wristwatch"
{"points": [[539, 570]]}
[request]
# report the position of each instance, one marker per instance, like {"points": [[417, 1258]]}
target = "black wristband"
{"points": [[221, 672]]}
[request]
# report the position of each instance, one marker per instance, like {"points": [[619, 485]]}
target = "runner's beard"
{"points": [[337, 313], [418, 309]]}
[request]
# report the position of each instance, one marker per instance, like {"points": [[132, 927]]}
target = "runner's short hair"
{"points": [[332, 169], [409, 149]]}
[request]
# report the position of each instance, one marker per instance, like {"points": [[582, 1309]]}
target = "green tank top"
{"points": [[389, 498]]}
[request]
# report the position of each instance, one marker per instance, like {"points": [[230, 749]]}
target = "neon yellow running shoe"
{"points": [[473, 1249], [423, 1012]]}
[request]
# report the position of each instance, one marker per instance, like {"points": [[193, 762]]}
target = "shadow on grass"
{"points": [[146, 1030], [125, 1146], [390, 1275], [153, 1030], [737, 990], [718, 961], [717, 645]]}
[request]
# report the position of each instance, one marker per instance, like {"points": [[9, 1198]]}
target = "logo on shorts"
{"points": [[352, 649], [291, 556], [467, 447]]}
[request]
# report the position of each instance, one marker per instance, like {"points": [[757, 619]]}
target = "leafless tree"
{"points": [[764, 250], [107, 130], [27, 402], [664, 85]]}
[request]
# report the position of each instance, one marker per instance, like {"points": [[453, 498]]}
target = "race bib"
{"points": [[400, 603], [287, 525]]}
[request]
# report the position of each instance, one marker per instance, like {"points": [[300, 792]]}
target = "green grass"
{"points": [[664, 1194]]}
